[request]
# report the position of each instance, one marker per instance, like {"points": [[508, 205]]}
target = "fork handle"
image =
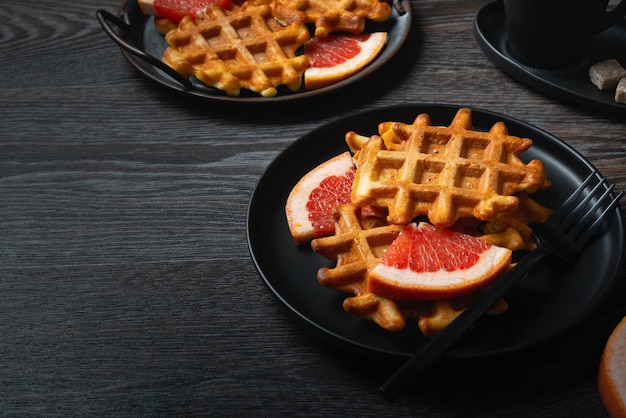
{"points": [[434, 350]]}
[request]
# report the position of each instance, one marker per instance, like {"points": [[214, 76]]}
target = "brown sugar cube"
{"points": [[605, 75], [620, 92]]}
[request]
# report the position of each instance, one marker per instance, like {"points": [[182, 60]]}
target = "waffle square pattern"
{"points": [[445, 173], [358, 246], [246, 48], [333, 15]]}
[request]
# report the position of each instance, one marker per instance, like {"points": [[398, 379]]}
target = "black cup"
{"points": [[553, 34]]}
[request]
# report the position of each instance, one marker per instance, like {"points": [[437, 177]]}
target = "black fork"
{"points": [[564, 235]]}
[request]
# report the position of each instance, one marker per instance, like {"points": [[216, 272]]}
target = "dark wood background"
{"points": [[126, 286]]}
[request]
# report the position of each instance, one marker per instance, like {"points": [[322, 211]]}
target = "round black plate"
{"points": [[571, 84], [143, 36], [554, 297]]}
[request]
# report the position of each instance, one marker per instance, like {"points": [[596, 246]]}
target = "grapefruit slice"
{"points": [[175, 10], [337, 57], [311, 201], [612, 372], [429, 263]]}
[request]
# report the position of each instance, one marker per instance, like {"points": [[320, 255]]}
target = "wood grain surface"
{"points": [[126, 286]]}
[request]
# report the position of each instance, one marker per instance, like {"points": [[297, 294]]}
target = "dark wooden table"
{"points": [[126, 285]]}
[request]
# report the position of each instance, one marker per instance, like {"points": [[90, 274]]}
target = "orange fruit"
{"points": [[429, 263], [311, 201], [337, 57], [612, 372]]}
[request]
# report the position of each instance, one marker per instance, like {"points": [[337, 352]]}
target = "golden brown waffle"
{"points": [[434, 316], [163, 26], [446, 173], [514, 230], [244, 48], [333, 15], [357, 249], [358, 245], [509, 230]]}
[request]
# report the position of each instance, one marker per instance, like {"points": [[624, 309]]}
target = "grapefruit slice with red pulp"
{"points": [[339, 56], [429, 263], [311, 201], [175, 10]]}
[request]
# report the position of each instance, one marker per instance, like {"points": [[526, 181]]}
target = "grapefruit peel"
{"points": [[175, 10], [303, 207], [436, 254], [340, 56]]}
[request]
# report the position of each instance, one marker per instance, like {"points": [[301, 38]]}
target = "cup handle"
{"points": [[613, 16]]}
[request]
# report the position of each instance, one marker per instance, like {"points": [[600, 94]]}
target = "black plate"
{"points": [[572, 84], [552, 299], [143, 46]]}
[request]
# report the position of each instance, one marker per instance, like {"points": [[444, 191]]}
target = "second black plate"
{"points": [[143, 46], [552, 299]]}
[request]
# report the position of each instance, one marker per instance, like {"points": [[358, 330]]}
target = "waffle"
{"points": [[445, 173], [333, 15], [163, 26], [434, 316], [514, 230], [357, 249], [246, 48], [358, 245]]}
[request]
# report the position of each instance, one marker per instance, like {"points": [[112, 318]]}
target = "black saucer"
{"points": [[570, 84]]}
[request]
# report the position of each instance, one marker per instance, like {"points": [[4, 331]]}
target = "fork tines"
{"points": [[576, 217]]}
